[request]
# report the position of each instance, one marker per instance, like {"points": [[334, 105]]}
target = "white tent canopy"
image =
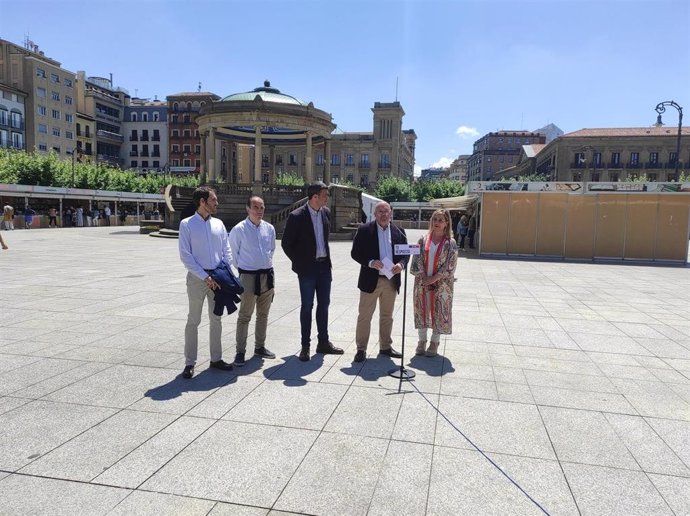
{"points": [[456, 203]]}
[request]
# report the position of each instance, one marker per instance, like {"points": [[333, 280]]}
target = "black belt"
{"points": [[322, 259], [257, 278]]}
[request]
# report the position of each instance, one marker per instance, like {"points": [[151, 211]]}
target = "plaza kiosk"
{"points": [[642, 222]]}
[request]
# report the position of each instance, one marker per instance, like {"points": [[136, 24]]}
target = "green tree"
{"points": [[437, 189], [393, 189], [289, 179]]}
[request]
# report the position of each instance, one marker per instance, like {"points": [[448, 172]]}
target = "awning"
{"points": [[456, 203]]}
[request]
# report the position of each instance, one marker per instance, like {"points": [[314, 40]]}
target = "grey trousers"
{"points": [[250, 301], [197, 291], [385, 294]]}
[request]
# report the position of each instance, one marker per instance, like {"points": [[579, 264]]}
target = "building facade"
{"points": [[46, 91], [458, 168], [608, 154], [99, 100], [497, 151], [12, 118], [184, 147], [146, 136]]}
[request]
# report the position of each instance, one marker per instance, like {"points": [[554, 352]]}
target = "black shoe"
{"points": [[223, 366], [360, 356], [264, 353], [327, 348], [188, 372], [304, 354], [390, 352], [239, 360]]}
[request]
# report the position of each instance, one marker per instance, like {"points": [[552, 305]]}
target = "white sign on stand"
{"points": [[407, 249]]}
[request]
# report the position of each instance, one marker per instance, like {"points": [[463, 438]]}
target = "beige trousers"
{"points": [[385, 294], [197, 291], [250, 301]]}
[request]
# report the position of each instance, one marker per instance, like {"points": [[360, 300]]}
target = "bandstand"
{"points": [[263, 118]]}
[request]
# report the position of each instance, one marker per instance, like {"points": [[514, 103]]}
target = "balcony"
{"points": [[14, 124], [654, 165], [107, 135], [133, 153], [615, 165], [134, 138], [384, 166], [144, 137], [633, 164], [365, 165], [155, 138], [155, 154], [144, 154]]}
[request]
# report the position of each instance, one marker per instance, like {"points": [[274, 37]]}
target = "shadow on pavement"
{"points": [[292, 371], [206, 380]]}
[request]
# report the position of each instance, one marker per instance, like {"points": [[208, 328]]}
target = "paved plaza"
{"points": [[572, 378]]}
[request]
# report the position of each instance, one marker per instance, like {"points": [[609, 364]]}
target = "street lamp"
{"points": [[661, 108]]}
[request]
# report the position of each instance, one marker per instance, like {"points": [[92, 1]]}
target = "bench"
{"points": [[149, 226]]}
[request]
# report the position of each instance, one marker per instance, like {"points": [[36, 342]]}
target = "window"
{"points": [[197, 164], [78, 129], [156, 117], [349, 160], [40, 72], [176, 148], [144, 135], [364, 180], [56, 114], [87, 131], [43, 128], [144, 117], [156, 151], [634, 158], [364, 162], [54, 78], [187, 133], [176, 133], [69, 118], [68, 100], [615, 159], [176, 107], [279, 159], [67, 82], [197, 149], [319, 159], [55, 95], [176, 163], [56, 131], [187, 162], [350, 178], [653, 158], [174, 119], [385, 160], [597, 159], [156, 164], [580, 161], [651, 177], [135, 150], [41, 92], [186, 119], [156, 135], [187, 149], [43, 147], [335, 159], [69, 135], [264, 160], [292, 159], [145, 150], [672, 158], [41, 110], [613, 176], [133, 117], [144, 164], [133, 164]]}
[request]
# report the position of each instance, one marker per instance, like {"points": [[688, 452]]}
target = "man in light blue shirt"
{"points": [[253, 242], [203, 246]]}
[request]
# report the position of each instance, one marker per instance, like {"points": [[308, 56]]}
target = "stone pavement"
{"points": [[572, 378]]}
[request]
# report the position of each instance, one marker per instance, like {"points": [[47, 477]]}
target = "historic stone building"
{"points": [[607, 154], [497, 151], [12, 118], [458, 168]]}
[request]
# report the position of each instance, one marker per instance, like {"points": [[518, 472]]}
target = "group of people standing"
{"points": [[467, 228], [205, 245]]}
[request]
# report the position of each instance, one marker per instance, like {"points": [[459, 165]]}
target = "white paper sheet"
{"points": [[387, 267]]}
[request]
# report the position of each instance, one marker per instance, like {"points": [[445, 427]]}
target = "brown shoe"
{"points": [[390, 352], [421, 348], [327, 348]]}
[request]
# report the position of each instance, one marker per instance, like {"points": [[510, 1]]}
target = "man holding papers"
{"points": [[379, 278]]}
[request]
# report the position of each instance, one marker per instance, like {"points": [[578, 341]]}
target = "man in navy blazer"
{"points": [[305, 242], [373, 248]]}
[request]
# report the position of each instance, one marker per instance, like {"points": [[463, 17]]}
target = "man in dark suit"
{"points": [[305, 242], [373, 248]]}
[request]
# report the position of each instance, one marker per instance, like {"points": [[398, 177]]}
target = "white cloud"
{"points": [[442, 163], [417, 171], [466, 133]]}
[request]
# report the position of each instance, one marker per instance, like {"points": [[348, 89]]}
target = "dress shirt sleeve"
{"points": [[228, 257], [235, 242], [186, 256]]}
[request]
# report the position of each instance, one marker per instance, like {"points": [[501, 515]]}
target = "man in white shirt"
{"points": [[253, 242], [203, 246]]}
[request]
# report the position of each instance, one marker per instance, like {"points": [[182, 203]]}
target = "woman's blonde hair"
{"points": [[446, 216]]}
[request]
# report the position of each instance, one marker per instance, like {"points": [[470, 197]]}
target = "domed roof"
{"points": [[266, 93]]}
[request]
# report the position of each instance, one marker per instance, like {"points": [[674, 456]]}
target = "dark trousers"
{"points": [[316, 282], [470, 235], [462, 241]]}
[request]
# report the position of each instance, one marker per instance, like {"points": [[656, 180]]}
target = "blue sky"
{"points": [[464, 68]]}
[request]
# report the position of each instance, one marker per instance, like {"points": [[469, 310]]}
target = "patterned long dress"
{"points": [[433, 306]]}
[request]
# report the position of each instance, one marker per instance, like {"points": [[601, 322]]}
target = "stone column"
{"points": [[309, 168], [327, 161], [211, 150], [257, 154], [271, 162]]}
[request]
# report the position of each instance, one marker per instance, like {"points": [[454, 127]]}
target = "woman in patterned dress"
{"points": [[434, 272]]}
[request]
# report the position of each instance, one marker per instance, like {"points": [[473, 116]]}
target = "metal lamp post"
{"points": [[661, 108]]}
